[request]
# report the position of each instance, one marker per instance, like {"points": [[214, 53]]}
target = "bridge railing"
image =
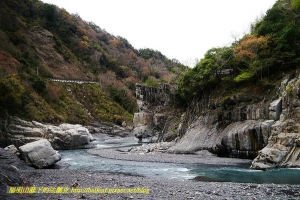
{"points": [[72, 80]]}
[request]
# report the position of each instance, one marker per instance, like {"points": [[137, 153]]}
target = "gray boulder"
{"points": [[69, 136], [39, 154]]}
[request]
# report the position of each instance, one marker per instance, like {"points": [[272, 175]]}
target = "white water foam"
{"points": [[102, 146], [67, 159], [183, 169], [246, 170]]}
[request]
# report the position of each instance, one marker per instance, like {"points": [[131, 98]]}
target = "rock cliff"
{"points": [[267, 131], [154, 117], [65, 136], [238, 131], [283, 148]]}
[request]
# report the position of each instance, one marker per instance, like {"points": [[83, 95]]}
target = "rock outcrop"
{"points": [[283, 149], [236, 129], [110, 129], [268, 131], [65, 136], [242, 139], [10, 173], [200, 135], [39, 154], [151, 120], [13, 149]]}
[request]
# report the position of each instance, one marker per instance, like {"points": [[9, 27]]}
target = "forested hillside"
{"points": [[41, 41], [251, 67]]}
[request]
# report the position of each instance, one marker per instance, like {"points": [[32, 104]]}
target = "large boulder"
{"points": [[283, 149], [244, 139], [69, 136], [39, 154]]}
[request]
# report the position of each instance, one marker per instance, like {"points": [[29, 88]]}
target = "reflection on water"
{"points": [[81, 160]]}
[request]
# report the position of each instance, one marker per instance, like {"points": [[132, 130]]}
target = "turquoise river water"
{"points": [[81, 160]]}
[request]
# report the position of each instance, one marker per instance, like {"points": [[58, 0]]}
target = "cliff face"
{"points": [[268, 130], [283, 148], [154, 119], [240, 132]]}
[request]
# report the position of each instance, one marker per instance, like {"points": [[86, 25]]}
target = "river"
{"points": [[81, 160]]}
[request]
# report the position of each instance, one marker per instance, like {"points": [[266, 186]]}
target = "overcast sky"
{"points": [[181, 29]]}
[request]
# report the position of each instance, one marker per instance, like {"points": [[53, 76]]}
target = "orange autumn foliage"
{"points": [[250, 47]]}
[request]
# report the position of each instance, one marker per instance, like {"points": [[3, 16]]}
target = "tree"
{"points": [[251, 51], [249, 47], [296, 4], [11, 92], [216, 59], [204, 76]]}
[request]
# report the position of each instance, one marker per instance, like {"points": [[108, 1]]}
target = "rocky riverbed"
{"points": [[159, 188]]}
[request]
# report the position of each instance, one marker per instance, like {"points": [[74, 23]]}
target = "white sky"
{"points": [[181, 29]]}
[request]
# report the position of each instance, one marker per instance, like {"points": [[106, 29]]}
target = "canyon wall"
{"points": [[283, 148], [155, 114], [268, 131]]}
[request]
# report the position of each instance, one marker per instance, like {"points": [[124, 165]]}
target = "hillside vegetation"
{"points": [[251, 67], [41, 41]]}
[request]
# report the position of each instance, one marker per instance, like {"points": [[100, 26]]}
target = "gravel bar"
{"points": [[159, 189]]}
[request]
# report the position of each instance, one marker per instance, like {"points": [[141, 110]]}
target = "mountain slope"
{"points": [[253, 65], [40, 41], [243, 100]]}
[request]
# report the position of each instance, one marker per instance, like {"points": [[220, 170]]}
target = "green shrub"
{"points": [[296, 4], [151, 83], [11, 92]]}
